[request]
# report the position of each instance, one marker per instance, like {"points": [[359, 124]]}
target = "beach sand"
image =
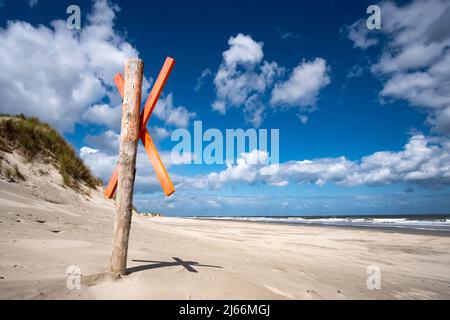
{"points": [[45, 228]]}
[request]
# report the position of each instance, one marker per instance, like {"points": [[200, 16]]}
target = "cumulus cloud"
{"points": [[243, 50], [244, 80], [424, 161], [303, 85], [415, 56], [159, 133], [104, 114], [101, 163], [176, 116], [107, 141], [64, 76]]}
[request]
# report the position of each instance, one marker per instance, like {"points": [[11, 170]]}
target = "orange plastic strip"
{"points": [[118, 80], [112, 184], [153, 155], [157, 164], [156, 91]]}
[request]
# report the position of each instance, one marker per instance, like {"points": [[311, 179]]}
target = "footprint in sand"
{"points": [[313, 294], [339, 292], [278, 269]]}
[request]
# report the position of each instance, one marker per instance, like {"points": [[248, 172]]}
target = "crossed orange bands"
{"points": [[149, 146]]}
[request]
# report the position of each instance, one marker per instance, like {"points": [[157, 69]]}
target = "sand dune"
{"points": [[45, 228]]}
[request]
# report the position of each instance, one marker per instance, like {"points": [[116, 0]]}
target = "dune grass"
{"points": [[33, 138]]}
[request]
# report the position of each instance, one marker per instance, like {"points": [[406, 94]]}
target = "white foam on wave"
{"points": [[435, 224]]}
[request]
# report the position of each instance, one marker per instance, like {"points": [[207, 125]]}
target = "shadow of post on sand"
{"points": [[188, 265]]}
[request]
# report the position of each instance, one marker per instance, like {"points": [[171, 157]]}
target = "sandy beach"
{"points": [[276, 150], [45, 228]]}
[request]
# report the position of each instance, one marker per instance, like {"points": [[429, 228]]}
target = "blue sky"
{"points": [[364, 118]]}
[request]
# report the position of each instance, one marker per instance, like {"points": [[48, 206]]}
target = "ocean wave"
{"points": [[422, 223]]}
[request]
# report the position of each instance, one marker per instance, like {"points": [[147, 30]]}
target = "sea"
{"points": [[425, 222]]}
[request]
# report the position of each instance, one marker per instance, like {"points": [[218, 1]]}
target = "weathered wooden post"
{"points": [[129, 137]]}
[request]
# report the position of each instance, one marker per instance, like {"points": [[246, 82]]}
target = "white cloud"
{"points": [[414, 59], [107, 142], [219, 106], [419, 88], [424, 162], [303, 119], [355, 72], [101, 164], [441, 120], [413, 56], [243, 50], [244, 80], [105, 115], [241, 73], [247, 169], [254, 110], [159, 133], [361, 35], [62, 72], [304, 84], [177, 116], [84, 151], [201, 80]]}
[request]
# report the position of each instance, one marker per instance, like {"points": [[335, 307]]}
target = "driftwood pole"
{"points": [[129, 137]]}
